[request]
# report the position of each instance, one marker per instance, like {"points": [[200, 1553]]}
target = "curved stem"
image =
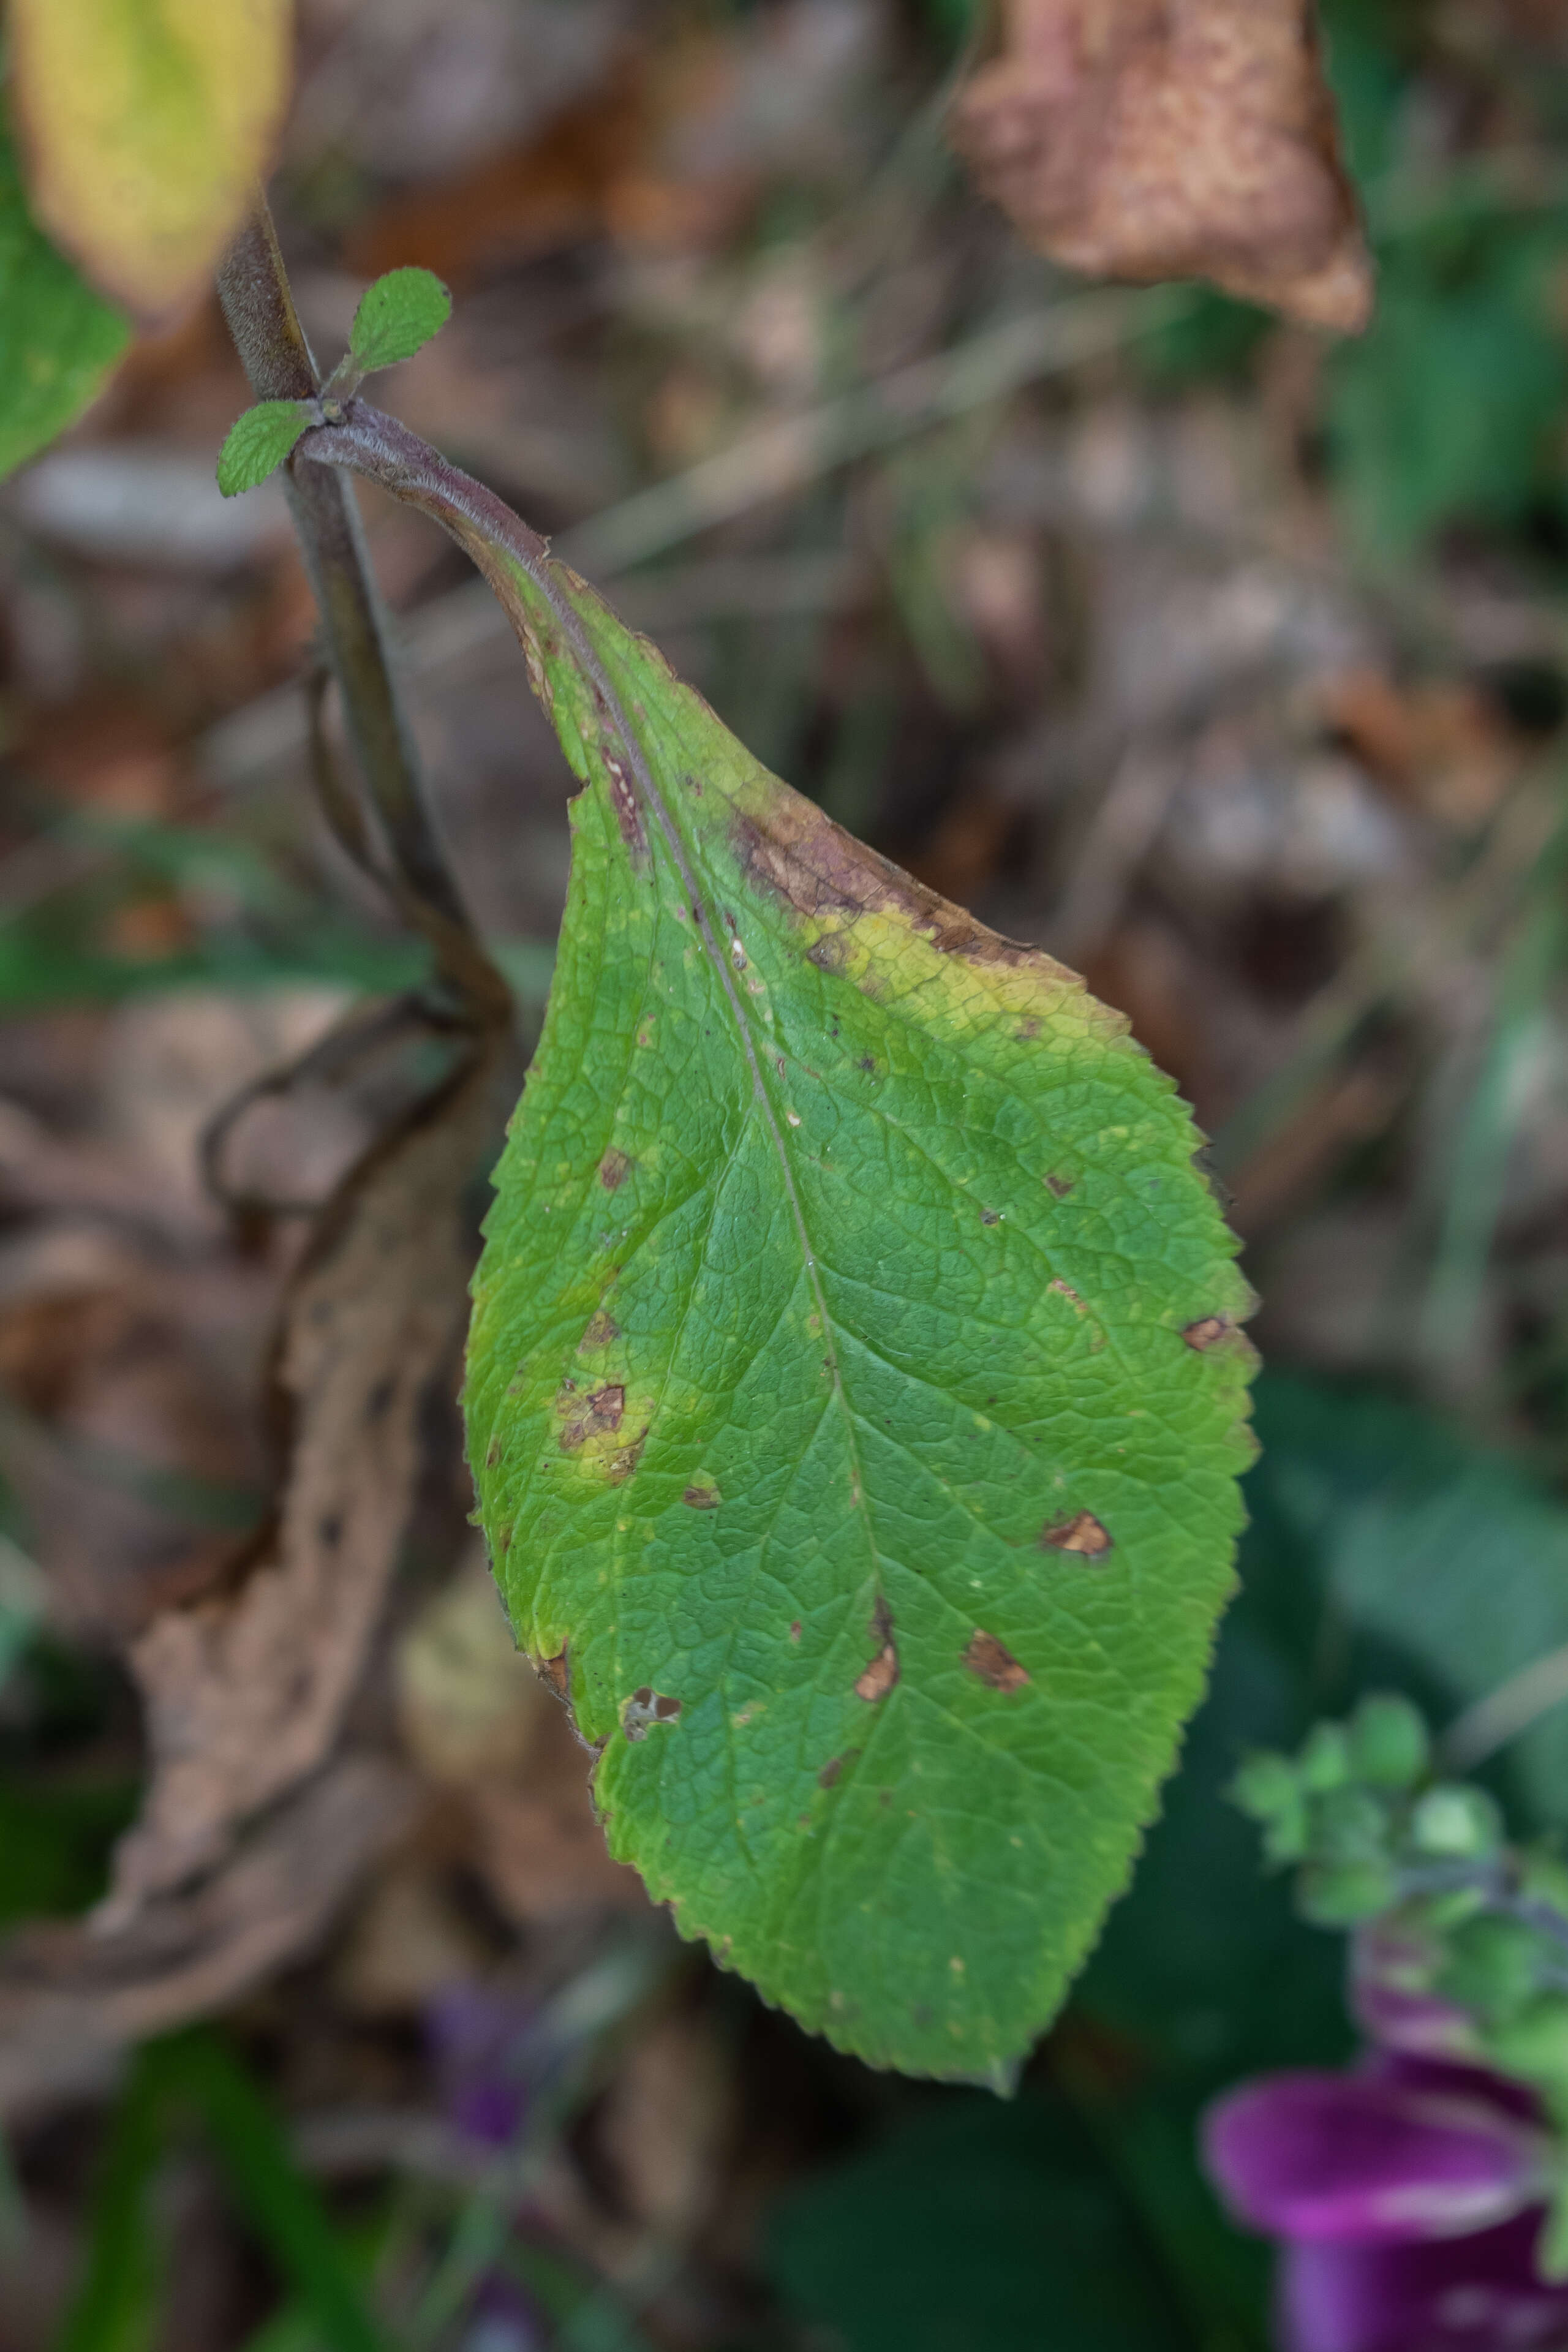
{"points": [[253, 288]]}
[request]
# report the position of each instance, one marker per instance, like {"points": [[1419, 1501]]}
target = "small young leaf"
{"points": [[396, 317], [258, 442], [61, 339], [146, 123], [855, 1393]]}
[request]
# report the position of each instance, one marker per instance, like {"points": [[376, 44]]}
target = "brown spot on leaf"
{"points": [[493, 1451], [624, 800], [834, 1765], [1060, 1185], [1027, 1032], [553, 1671], [815, 868], [986, 1657], [614, 1170], [619, 1467], [1081, 1533], [829, 953], [598, 1415], [644, 1707], [1153, 139], [701, 1498], [990, 1216], [602, 1328], [883, 1671], [1206, 1331]]}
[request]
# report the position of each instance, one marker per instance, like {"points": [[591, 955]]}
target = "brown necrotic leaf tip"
{"points": [[1170, 139]]}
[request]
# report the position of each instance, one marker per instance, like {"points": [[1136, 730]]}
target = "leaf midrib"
{"points": [[687, 867]]}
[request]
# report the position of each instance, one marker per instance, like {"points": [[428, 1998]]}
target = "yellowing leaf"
{"points": [[144, 124]]}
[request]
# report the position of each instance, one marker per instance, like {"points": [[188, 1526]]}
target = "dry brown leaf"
{"points": [[538, 1842], [1154, 138], [71, 1998], [470, 1705], [126, 1421], [245, 1692]]}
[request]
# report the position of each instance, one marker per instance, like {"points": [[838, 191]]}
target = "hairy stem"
{"points": [[253, 288]]}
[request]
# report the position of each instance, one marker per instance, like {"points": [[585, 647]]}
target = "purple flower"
{"points": [[1389, 1973], [501, 2319], [479, 2044], [1479, 2294], [1408, 2197], [1409, 2152]]}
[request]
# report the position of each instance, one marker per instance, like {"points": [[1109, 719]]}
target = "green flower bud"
{"points": [[1325, 1759], [1286, 1838], [1454, 1822], [1265, 1784], [1551, 2253], [1339, 1895], [1543, 1877], [1348, 1824], [1534, 2044], [1434, 1915], [1493, 1964], [1389, 1744]]}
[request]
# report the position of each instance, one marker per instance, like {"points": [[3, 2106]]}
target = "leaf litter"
{"points": [[1151, 139]]}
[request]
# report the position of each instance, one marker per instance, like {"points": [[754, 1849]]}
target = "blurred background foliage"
{"points": [[1230, 665]]}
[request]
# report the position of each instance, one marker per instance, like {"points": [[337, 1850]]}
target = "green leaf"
{"points": [[115, 2308], [1448, 408], [280, 2202], [258, 442], [1443, 1564], [854, 1391], [396, 317], [61, 339], [975, 2229]]}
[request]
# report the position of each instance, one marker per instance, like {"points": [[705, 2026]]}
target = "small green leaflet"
{"points": [[855, 1396], [60, 339], [258, 442], [396, 317]]}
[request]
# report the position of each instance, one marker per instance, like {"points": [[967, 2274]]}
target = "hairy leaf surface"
{"points": [[60, 339], [257, 442], [396, 317], [855, 1395], [144, 124]]}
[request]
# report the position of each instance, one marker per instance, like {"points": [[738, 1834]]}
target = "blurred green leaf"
{"points": [[1449, 408], [55, 1845], [59, 340], [1442, 1565], [115, 2308], [1366, 67], [396, 317], [980, 2228], [1210, 335], [280, 2203]]}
